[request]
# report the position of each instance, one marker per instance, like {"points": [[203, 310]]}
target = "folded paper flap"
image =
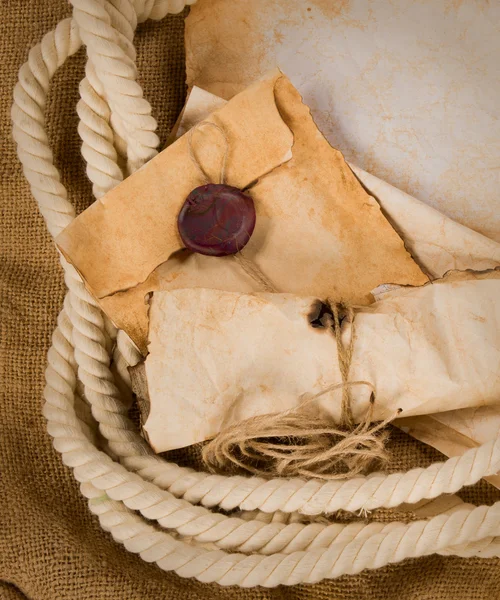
{"points": [[451, 277], [121, 238], [481, 423], [438, 243], [329, 224], [457, 275], [200, 105]]}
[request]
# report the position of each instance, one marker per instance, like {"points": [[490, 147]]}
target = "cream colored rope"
{"points": [[127, 484]]}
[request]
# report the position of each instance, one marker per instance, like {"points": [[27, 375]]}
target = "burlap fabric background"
{"points": [[51, 547]]}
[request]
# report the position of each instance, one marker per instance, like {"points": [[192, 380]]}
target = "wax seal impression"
{"points": [[216, 220]]}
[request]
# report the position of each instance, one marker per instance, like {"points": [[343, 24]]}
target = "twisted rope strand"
{"points": [[281, 550]]}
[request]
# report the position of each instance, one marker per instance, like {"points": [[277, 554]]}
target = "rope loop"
{"points": [[279, 535]]}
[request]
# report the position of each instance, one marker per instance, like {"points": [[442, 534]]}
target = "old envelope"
{"points": [[218, 357], [318, 232], [438, 243]]}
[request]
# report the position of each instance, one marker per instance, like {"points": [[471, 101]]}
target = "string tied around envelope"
{"points": [[299, 441], [250, 267], [305, 442]]}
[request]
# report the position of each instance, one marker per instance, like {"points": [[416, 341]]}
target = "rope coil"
{"points": [[127, 486]]}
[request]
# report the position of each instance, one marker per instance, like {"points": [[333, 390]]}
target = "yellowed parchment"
{"points": [[407, 90], [226, 356], [318, 231], [438, 243]]}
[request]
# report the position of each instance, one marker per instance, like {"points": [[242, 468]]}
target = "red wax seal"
{"points": [[216, 220]]}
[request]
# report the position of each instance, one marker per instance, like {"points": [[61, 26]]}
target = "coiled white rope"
{"points": [[124, 481]]}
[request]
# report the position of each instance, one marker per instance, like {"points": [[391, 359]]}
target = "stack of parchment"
{"points": [[219, 349]]}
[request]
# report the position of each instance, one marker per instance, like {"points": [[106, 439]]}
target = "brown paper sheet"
{"points": [[406, 90], [318, 231], [227, 356]]}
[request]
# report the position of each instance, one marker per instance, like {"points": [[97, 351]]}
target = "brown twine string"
{"points": [[345, 357], [254, 271], [196, 162], [298, 442]]}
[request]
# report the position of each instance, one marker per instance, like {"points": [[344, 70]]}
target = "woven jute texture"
{"points": [[50, 546]]}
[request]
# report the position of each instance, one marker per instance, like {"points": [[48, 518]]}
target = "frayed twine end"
{"points": [[296, 444]]}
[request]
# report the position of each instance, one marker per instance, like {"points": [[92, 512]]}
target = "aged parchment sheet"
{"points": [[407, 90], [217, 357]]}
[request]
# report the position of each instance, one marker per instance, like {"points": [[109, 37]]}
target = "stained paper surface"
{"points": [[318, 232], [219, 357], [408, 91], [438, 243]]}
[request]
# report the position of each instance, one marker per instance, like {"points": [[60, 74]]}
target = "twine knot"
{"points": [[298, 442]]}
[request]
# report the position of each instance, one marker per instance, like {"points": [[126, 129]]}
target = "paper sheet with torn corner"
{"points": [[407, 90], [318, 231], [218, 357]]}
